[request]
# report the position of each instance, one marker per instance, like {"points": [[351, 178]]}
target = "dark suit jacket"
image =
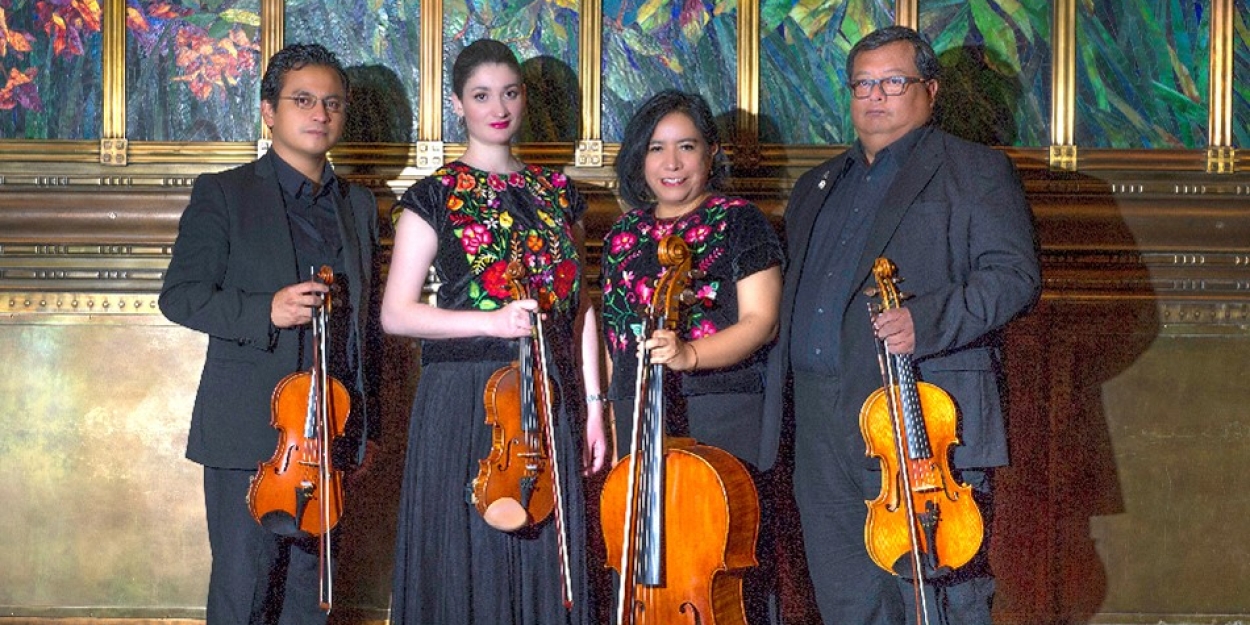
{"points": [[233, 252], [958, 227]]}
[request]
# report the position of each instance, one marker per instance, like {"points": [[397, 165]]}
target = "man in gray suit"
{"points": [[240, 273], [952, 216]]}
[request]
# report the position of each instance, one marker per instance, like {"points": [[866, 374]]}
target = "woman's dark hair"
{"points": [[480, 52], [630, 174], [926, 60], [297, 56]]}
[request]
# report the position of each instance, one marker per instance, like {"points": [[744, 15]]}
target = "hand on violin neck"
{"points": [[293, 305], [896, 329], [666, 348], [515, 320]]}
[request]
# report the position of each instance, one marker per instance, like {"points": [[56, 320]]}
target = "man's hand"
{"points": [[293, 305], [896, 329]]}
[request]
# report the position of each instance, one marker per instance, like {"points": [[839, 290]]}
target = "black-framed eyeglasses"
{"points": [[306, 101], [890, 85]]}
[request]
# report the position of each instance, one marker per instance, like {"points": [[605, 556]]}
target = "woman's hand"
{"points": [[513, 320], [666, 348], [595, 453]]}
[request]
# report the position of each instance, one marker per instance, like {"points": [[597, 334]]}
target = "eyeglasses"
{"points": [[890, 85], [304, 102]]}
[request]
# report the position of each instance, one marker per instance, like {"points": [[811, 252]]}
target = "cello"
{"points": [[924, 523], [299, 492], [518, 483], [669, 488]]}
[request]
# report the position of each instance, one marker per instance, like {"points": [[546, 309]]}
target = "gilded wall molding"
{"points": [[113, 144], [1063, 151], [1221, 158]]}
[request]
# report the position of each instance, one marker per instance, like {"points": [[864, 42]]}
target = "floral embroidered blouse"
{"points": [[484, 221], [730, 239]]}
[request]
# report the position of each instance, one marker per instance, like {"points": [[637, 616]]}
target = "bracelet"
{"points": [[696, 357], [590, 399]]}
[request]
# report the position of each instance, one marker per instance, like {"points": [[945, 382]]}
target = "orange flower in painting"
{"points": [[21, 90], [65, 20], [207, 63], [12, 39], [165, 11], [136, 21]]}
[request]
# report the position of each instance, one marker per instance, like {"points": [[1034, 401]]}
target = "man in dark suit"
{"points": [[952, 216], [240, 273]]}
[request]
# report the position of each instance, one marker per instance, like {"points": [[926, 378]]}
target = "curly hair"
{"points": [[297, 56]]}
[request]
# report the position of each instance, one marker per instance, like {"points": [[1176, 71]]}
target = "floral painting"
{"points": [[544, 36], [50, 58], [650, 45], [192, 70], [379, 43], [1142, 74], [1241, 74], [996, 66], [803, 48]]}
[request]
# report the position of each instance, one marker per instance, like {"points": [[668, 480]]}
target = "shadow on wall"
{"points": [[554, 101]]}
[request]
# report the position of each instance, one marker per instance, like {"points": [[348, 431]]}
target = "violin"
{"points": [[924, 524], [679, 489], [518, 483], [299, 492]]}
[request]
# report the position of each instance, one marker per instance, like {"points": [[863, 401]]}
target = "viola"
{"points": [[298, 492], [924, 523], [670, 488], [518, 483]]}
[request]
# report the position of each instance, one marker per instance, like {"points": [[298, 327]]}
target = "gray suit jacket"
{"points": [[233, 252], [957, 225]]}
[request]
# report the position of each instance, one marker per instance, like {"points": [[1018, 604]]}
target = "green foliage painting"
{"points": [[803, 94], [651, 45], [50, 57], [379, 43], [996, 64], [1142, 73], [192, 70], [1241, 74], [543, 34]]}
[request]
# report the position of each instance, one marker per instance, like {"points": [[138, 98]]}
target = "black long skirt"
{"points": [[451, 568]]}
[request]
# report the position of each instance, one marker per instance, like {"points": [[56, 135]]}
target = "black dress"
{"points": [[451, 568]]}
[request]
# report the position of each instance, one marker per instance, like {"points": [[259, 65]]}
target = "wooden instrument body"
{"points": [[711, 525], [518, 466], [959, 530], [923, 524], [286, 494]]}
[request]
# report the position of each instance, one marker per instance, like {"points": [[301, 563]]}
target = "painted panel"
{"points": [[668, 44], [50, 56], [803, 48], [192, 70], [1241, 74], [379, 42], [996, 66], [544, 35], [1142, 73]]}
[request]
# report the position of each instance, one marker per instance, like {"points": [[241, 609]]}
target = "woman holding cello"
{"points": [[504, 240], [668, 168]]}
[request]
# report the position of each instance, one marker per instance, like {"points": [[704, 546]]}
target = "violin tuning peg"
{"points": [[904, 296], [687, 297], [872, 291], [874, 309], [697, 274]]}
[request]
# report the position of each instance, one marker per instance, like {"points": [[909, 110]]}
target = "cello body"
{"points": [[712, 525]]}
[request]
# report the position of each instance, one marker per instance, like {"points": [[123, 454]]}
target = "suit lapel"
{"points": [[269, 213], [913, 177]]}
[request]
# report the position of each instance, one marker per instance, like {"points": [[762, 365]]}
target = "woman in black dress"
{"points": [[467, 221]]}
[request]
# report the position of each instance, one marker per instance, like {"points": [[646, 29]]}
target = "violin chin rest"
{"points": [[506, 515]]}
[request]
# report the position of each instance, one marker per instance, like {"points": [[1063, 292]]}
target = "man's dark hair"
{"points": [[926, 60], [480, 52], [630, 161], [297, 56]]}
